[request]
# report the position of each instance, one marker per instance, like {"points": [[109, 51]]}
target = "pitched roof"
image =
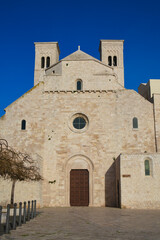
{"points": [[78, 55]]}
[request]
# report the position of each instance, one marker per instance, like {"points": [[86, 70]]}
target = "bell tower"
{"points": [[46, 54], [111, 53]]}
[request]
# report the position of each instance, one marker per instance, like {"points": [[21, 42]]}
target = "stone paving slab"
{"points": [[87, 223]]}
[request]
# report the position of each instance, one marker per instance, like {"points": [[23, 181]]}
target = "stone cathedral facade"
{"points": [[96, 143]]}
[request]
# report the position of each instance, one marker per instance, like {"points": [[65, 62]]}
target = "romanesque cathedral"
{"points": [[96, 143]]}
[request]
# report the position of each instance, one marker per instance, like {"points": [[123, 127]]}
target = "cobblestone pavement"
{"points": [[89, 223]]}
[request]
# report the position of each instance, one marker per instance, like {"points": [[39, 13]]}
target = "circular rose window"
{"points": [[79, 123]]}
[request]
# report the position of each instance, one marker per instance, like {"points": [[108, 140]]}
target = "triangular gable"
{"points": [[77, 56]]}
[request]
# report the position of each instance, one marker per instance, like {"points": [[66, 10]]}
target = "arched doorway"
{"points": [[79, 187], [79, 174]]}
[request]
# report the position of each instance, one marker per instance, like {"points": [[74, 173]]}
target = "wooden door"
{"points": [[79, 187]]}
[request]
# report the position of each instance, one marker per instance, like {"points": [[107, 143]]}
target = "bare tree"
{"points": [[17, 166]]}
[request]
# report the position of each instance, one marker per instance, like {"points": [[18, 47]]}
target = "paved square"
{"points": [[89, 223]]}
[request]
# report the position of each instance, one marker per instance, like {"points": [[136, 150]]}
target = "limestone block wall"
{"points": [[30, 108], [95, 76], [137, 189], [117, 181], [147, 90], [51, 139], [144, 90], [109, 132], [24, 191], [130, 105], [156, 100], [154, 85], [63, 143]]}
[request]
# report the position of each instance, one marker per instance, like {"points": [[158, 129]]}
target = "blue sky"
{"points": [[73, 23]]}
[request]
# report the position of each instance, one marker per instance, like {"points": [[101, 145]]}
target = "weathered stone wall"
{"points": [[156, 100], [117, 181], [96, 76], [52, 140], [30, 108], [137, 189]]}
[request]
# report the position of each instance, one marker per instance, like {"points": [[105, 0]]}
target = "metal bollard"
{"points": [[32, 210], [24, 213], [7, 219], [20, 214], [14, 215], [0, 214], [34, 213], [28, 212]]}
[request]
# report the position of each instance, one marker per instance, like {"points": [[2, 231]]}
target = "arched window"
{"points": [[79, 85], [135, 122], [48, 62], [114, 61], [147, 167], [23, 125], [42, 62], [110, 61]]}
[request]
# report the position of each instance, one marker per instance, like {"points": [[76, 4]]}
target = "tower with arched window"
{"points": [[46, 54], [111, 53]]}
